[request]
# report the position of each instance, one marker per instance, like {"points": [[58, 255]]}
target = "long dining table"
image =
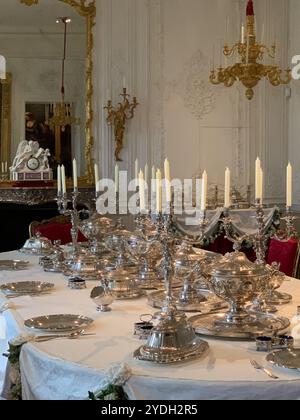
{"points": [[66, 369]]}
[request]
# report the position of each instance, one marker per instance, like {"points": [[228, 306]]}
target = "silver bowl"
{"points": [[103, 298]]}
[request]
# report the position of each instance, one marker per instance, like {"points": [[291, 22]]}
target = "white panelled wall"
{"points": [[294, 105], [164, 49]]}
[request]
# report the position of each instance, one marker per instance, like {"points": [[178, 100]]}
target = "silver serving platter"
{"points": [[279, 298], [26, 287], [58, 323], [215, 325], [210, 304], [13, 265], [287, 358], [165, 356]]}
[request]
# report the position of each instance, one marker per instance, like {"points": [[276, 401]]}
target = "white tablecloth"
{"points": [[68, 369]]}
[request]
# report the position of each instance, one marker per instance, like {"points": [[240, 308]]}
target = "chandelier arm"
{"points": [[214, 79], [229, 52]]}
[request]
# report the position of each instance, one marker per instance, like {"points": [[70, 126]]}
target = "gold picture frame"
{"points": [[5, 117], [87, 9]]}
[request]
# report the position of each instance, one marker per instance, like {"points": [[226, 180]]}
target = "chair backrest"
{"points": [[57, 228], [286, 252]]}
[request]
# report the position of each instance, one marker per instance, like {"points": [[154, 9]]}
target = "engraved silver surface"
{"points": [[216, 325], [58, 323], [24, 287], [287, 358], [238, 281], [163, 355]]}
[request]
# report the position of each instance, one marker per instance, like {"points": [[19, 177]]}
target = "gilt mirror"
{"points": [[34, 41]]}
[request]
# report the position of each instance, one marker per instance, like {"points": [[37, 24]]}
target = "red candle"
{"points": [[250, 9]]}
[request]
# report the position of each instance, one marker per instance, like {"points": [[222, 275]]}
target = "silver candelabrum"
{"points": [[289, 219], [62, 203], [258, 239]]}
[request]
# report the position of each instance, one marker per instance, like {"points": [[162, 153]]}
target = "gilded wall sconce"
{"points": [[117, 118]]}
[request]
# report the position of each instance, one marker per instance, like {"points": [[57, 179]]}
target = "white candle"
{"points": [[58, 180], [153, 179], [142, 191], [124, 82], [136, 169], [6, 166], [243, 35], [257, 179], [227, 201], [63, 179], [146, 174], [2, 167], [158, 192], [261, 185], [117, 178], [289, 185], [96, 173], [75, 176], [168, 180], [204, 192]]}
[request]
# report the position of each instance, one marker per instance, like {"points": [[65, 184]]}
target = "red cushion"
{"points": [[221, 245], [58, 231], [285, 253]]}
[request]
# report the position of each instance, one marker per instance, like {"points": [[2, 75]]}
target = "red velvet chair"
{"points": [[221, 245], [285, 252], [58, 228]]}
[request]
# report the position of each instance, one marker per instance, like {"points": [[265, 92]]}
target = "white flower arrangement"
{"points": [[118, 374], [21, 339]]}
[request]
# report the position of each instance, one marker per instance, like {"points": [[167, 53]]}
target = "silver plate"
{"points": [[58, 323], [165, 356], [261, 324], [211, 304], [13, 265], [26, 287], [287, 358]]}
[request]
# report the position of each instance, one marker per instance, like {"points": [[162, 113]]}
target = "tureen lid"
{"points": [[38, 242], [236, 263]]}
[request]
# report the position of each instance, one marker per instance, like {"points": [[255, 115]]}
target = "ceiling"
{"points": [[17, 17]]}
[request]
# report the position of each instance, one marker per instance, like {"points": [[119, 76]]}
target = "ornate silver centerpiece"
{"points": [[116, 243], [187, 269], [84, 265], [239, 281], [173, 338], [145, 247], [94, 230]]}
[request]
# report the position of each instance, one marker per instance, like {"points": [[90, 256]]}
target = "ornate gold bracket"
{"points": [[117, 117], [87, 9]]}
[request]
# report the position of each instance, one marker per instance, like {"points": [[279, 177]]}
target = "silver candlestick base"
{"points": [[172, 339]]}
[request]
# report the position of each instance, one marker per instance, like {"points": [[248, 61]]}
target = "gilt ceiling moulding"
{"points": [[87, 9]]}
